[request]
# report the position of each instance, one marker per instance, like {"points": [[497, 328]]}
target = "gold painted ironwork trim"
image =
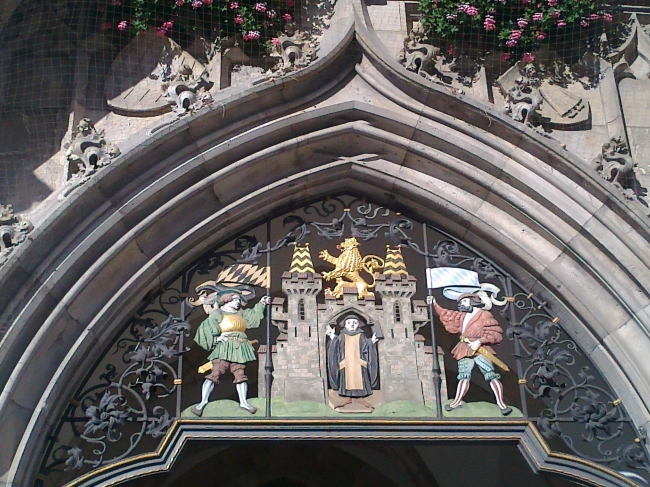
{"points": [[178, 382], [522, 381]]}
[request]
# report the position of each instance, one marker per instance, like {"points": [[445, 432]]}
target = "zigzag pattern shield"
{"points": [[245, 274]]}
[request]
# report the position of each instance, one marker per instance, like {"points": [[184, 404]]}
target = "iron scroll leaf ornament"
{"points": [[579, 407], [133, 393]]}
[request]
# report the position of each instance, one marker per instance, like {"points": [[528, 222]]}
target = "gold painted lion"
{"points": [[348, 265]]}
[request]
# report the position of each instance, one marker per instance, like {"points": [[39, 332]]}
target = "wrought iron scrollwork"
{"points": [[114, 417]]}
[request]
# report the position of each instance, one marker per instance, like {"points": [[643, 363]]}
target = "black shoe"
{"points": [[507, 410], [448, 408], [197, 411]]}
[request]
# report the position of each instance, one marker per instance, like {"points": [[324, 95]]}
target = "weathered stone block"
{"points": [[304, 389]]}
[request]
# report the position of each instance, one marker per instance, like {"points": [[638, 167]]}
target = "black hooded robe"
{"points": [[336, 354]]}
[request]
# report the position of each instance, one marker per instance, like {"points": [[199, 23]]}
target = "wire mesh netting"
{"points": [[125, 63]]}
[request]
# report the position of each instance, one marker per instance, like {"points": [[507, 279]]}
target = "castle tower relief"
{"points": [[367, 319]]}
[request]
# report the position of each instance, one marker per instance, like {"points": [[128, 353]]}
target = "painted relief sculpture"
{"points": [[478, 330], [223, 334], [352, 364]]}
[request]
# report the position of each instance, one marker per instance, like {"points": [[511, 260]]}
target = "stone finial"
{"points": [[86, 154], [13, 231], [301, 261], [394, 263]]}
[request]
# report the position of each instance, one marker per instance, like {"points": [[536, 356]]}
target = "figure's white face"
{"points": [[465, 304], [351, 324], [234, 304]]}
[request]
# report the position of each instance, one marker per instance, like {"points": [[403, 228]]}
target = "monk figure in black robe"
{"points": [[352, 365]]}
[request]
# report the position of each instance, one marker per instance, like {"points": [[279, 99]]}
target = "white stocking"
{"points": [[242, 391], [206, 390]]}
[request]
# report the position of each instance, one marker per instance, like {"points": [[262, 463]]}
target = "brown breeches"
{"points": [[220, 367]]}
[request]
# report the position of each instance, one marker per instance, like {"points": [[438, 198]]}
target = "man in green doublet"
{"points": [[223, 334]]}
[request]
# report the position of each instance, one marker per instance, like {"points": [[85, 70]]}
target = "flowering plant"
{"points": [[511, 26], [253, 22]]}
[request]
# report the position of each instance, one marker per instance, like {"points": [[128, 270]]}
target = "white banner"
{"points": [[451, 276]]}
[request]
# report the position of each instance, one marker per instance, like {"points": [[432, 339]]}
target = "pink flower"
{"points": [[276, 42], [505, 56], [239, 19], [540, 36], [287, 17], [528, 57], [472, 11], [451, 17], [607, 17], [260, 7], [555, 14], [489, 23], [552, 3], [522, 23], [463, 7], [106, 26], [122, 25], [271, 14], [197, 4], [525, 2], [234, 5], [253, 35], [538, 16], [246, 37], [168, 25], [180, 3], [594, 17], [511, 43], [560, 24], [208, 2], [584, 23], [515, 35], [160, 32]]}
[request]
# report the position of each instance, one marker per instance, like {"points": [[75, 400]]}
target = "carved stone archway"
{"points": [[353, 121]]}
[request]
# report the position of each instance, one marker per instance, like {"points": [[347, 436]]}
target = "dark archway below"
{"points": [[350, 464]]}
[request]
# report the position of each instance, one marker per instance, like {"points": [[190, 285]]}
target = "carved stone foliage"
{"points": [[88, 152], [13, 231]]}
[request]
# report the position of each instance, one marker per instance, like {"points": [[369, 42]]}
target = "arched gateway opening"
{"points": [[151, 408]]}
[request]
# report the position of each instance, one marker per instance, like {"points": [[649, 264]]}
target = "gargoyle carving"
{"points": [[88, 152], [616, 166], [187, 92], [13, 231], [522, 100], [295, 52]]}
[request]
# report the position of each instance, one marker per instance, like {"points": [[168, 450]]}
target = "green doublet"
{"points": [[236, 348]]}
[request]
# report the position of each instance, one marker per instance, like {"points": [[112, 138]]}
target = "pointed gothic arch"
{"points": [[522, 199]]}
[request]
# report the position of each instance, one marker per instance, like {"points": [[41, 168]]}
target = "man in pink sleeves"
{"points": [[478, 330]]}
